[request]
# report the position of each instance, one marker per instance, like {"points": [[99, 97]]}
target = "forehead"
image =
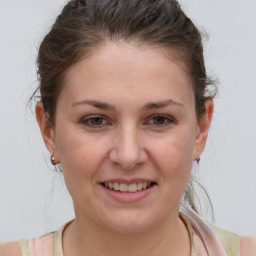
{"points": [[117, 68]]}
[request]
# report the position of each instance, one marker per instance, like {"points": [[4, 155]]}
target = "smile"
{"points": [[131, 188]]}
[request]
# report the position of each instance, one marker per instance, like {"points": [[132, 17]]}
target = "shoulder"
{"points": [[230, 241], [10, 249], [248, 246], [234, 243]]}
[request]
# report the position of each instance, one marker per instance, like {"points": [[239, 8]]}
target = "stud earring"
{"points": [[198, 160], [57, 167], [53, 160]]}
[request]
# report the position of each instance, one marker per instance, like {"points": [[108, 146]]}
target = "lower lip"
{"points": [[127, 197]]}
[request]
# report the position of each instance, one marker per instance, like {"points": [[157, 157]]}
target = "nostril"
{"points": [[128, 152], [127, 161]]}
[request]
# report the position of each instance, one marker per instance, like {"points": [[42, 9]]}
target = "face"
{"points": [[126, 135]]}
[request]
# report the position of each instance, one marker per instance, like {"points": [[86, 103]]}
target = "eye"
{"points": [[94, 121], [160, 120]]}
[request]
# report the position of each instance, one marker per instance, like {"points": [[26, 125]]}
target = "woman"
{"points": [[125, 110]]}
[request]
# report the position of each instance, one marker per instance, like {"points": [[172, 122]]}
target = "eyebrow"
{"points": [[94, 103], [162, 104], [148, 106]]}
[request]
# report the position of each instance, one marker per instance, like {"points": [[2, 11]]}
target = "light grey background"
{"points": [[33, 199]]}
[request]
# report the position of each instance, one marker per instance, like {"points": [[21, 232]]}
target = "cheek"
{"points": [[177, 150], [80, 155], [173, 158], [81, 158]]}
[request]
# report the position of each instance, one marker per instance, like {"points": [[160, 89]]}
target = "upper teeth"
{"points": [[134, 187]]}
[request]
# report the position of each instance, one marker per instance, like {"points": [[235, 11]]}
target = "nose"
{"points": [[128, 150]]}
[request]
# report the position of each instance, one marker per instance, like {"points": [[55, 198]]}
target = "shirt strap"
{"points": [[38, 246]]}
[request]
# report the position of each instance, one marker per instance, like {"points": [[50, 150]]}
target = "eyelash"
{"points": [[167, 120], [88, 121]]}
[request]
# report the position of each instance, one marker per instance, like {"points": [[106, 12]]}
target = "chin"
{"points": [[131, 222]]}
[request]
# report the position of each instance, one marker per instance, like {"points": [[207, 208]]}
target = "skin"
{"points": [[131, 139], [127, 145]]}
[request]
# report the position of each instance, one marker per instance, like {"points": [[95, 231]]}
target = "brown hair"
{"points": [[85, 24]]}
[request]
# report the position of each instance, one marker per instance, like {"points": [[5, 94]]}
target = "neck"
{"points": [[84, 238]]}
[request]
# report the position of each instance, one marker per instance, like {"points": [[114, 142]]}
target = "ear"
{"points": [[47, 130], [203, 128]]}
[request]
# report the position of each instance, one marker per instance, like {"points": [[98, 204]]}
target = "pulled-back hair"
{"points": [[84, 25]]}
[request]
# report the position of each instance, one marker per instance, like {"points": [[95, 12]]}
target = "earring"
{"points": [[53, 160], [57, 167], [198, 160]]}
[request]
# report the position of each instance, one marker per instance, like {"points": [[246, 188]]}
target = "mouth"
{"points": [[128, 188]]}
